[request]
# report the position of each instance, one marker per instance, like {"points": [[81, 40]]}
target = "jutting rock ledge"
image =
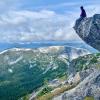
{"points": [[89, 30]]}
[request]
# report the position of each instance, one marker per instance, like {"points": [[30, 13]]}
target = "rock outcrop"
{"points": [[90, 86], [86, 70], [89, 30]]}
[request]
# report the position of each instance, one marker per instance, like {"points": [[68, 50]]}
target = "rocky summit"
{"points": [[89, 30], [89, 87], [86, 72]]}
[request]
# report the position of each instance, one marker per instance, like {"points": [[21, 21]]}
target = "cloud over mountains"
{"points": [[20, 25], [31, 26]]}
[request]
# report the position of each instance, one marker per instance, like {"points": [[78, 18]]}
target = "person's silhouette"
{"points": [[83, 12]]}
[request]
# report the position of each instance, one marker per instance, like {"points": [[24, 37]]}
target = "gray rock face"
{"points": [[89, 30], [90, 86]]}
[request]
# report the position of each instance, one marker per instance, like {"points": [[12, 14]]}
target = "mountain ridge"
{"points": [[25, 70]]}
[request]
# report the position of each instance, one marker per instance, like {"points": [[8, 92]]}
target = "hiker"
{"points": [[82, 16], [83, 12]]}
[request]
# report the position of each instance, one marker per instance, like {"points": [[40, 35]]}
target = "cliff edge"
{"points": [[89, 30]]}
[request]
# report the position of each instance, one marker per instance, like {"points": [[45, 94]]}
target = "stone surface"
{"points": [[89, 30], [90, 86]]}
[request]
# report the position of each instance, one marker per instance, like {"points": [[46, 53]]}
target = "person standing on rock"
{"points": [[83, 12]]}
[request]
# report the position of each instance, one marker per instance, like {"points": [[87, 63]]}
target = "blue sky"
{"points": [[33, 20]]}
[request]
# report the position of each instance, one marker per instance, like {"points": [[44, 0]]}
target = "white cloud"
{"points": [[30, 26], [59, 5], [7, 5], [93, 9], [26, 25]]}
